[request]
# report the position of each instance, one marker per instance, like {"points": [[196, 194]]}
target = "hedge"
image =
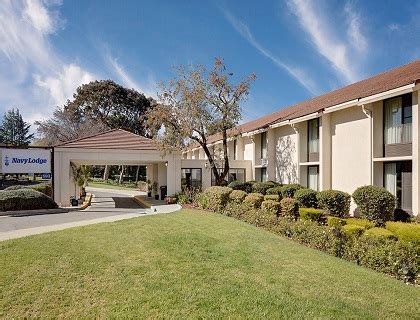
{"points": [[273, 197], [375, 203], [409, 232], [289, 190], [275, 191], [25, 199], [380, 233], [353, 230], [44, 188], [337, 203], [289, 208], [311, 214], [237, 196], [336, 222], [262, 187], [244, 186], [271, 207], [306, 198], [216, 197], [365, 223], [253, 200]]}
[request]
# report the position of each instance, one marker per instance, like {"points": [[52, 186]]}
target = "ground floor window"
{"points": [[313, 175], [398, 181], [263, 177], [234, 174], [191, 178]]}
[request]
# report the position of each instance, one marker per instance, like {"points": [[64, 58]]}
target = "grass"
{"points": [[188, 265], [108, 185]]}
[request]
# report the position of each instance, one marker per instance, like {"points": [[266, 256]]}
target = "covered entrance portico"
{"points": [[114, 147]]}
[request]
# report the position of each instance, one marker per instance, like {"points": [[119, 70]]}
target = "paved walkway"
{"points": [[107, 206]]}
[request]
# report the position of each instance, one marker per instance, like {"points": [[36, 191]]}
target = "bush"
{"points": [[375, 203], [398, 259], [271, 207], [353, 230], [365, 223], [237, 196], [289, 208], [261, 187], [254, 200], [25, 199], [306, 198], [201, 200], [335, 222], [233, 209], [402, 215], [337, 203], [405, 231], [275, 191], [311, 214], [44, 188], [217, 197], [182, 198], [289, 190], [380, 233], [273, 197]]}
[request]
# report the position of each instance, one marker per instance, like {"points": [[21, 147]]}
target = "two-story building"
{"points": [[365, 133]]}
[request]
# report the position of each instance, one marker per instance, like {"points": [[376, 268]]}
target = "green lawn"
{"points": [[188, 265]]}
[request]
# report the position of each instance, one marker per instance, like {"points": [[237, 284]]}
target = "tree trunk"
{"points": [[106, 173], [137, 174], [121, 175]]}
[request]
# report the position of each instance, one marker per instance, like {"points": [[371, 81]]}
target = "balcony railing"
{"points": [[398, 134]]}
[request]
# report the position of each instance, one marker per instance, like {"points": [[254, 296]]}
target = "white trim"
{"points": [[403, 158], [305, 118], [252, 133], [314, 163], [341, 106], [279, 124], [388, 94]]}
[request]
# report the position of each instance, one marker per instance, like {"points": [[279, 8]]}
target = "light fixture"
{"points": [[166, 163], [205, 165]]}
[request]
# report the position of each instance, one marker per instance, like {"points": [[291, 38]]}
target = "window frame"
{"points": [[201, 176]]}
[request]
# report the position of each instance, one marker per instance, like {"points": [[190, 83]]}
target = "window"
{"points": [[263, 174], [313, 136], [398, 119], [234, 174], [263, 145], [191, 178], [234, 149], [313, 177], [398, 181]]}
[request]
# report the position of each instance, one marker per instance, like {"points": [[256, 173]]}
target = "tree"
{"points": [[14, 131], [111, 104], [195, 105]]}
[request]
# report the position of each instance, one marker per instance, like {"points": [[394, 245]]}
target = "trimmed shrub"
{"points": [[380, 233], [396, 258], [402, 215], [275, 191], [201, 200], [271, 207], [353, 230], [335, 222], [311, 214], [261, 187], [375, 203], [253, 200], [273, 197], [25, 199], [337, 203], [409, 232], [237, 196], [44, 188], [365, 223], [289, 208], [306, 198], [217, 197], [289, 190], [233, 209]]}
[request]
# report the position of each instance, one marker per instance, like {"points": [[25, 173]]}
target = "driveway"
{"points": [[107, 206]]}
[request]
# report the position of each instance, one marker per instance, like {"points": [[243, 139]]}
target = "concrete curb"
{"points": [[21, 213]]}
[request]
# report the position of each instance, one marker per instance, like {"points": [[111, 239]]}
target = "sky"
{"points": [[298, 49]]}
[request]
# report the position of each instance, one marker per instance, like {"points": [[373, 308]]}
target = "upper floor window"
{"points": [[313, 136], [398, 119], [263, 145], [234, 149]]}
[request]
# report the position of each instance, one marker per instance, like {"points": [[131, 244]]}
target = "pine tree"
{"points": [[14, 131]]}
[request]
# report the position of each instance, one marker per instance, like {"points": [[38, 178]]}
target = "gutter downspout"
{"points": [[368, 113]]}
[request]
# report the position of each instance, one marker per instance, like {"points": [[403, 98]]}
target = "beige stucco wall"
{"points": [[286, 161]]}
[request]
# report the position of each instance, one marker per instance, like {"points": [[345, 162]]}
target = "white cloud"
{"points": [[394, 27], [33, 77], [357, 38], [148, 87], [297, 73], [327, 43]]}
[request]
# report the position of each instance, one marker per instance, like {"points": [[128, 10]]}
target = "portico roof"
{"points": [[112, 139]]}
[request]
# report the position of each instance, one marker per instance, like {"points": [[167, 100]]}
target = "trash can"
{"points": [[163, 191], [74, 202]]}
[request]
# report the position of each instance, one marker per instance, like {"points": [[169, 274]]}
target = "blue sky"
{"points": [[297, 48]]}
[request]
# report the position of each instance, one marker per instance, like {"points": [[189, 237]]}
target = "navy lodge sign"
{"points": [[25, 161]]}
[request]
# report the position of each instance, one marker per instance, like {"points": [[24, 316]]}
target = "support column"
{"points": [[325, 181], [271, 155], [174, 174], [416, 153], [62, 180]]}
